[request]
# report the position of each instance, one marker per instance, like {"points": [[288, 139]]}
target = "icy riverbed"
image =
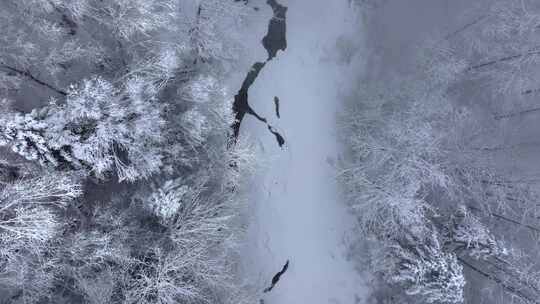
{"points": [[296, 212]]}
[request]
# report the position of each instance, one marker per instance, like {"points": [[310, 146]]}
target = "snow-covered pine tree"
{"points": [[99, 129]]}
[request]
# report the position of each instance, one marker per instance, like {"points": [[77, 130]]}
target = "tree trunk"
{"points": [[503, 59], [28, 75], [510, 289]]}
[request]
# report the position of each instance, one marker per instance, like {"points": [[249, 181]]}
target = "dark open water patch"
{"points": [[274, 41], [276, 38], [280, 140], [276, 104], [277, 276], [241, 105]]}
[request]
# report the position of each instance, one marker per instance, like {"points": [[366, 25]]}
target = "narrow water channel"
{"points": [[274, 41]]}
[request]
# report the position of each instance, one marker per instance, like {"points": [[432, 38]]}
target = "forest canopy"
{"points": [[118, 182], [431, 168]]}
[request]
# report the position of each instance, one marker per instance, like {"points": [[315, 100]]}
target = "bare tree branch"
{"points": [[511, 289], [33, 78], [519, 113], [506, 219], [531, 52], [465, 27]]}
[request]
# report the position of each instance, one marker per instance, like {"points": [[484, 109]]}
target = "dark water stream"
{"points": [[274, 41]]}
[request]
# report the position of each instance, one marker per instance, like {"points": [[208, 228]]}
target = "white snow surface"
{"points": [[296, 213]]}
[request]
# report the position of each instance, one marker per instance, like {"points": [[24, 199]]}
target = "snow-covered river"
{"points": [[296, 211]]}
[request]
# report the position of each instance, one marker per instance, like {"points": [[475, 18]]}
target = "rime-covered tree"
{"points": [[130, 89], [421, 165], [29, 223], [99, 129], [424, 269]]}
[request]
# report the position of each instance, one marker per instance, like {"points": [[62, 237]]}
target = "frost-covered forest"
{"points": [[269, 151], [118, 177], [441, 167]]}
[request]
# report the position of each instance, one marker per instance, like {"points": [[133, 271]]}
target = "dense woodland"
{"points": [[440, 165], [118, 178], [121, 179]]}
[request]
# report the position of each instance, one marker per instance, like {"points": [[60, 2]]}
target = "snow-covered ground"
{"points": [[297, 214]]}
